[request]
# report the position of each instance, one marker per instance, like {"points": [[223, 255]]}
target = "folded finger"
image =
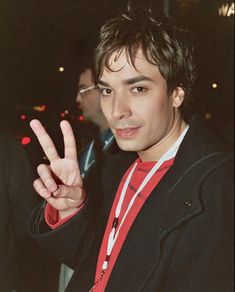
{"points": [[76, 195], [45, 174], [41, 189]]}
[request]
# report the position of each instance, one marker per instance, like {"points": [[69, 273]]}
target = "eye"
{"points": [[139, 89], [105, 91]]}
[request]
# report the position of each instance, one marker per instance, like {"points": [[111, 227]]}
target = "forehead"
{"points": [[119, 64], [85, 77]]}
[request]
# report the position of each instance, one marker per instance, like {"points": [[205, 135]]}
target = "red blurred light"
{"points": [[62, 115], [23, 117], [43, 108], [39, 108], [25, 140], [81, 118]]}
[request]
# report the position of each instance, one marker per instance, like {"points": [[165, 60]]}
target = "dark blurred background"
{"points": [[41, 42]]}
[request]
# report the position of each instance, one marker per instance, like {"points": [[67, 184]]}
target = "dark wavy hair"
{"points": [[161, 41]]}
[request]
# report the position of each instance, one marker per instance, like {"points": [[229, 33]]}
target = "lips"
{"points": [[80, 107], [127, 132]]}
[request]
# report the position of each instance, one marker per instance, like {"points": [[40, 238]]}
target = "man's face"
{"points": [[89, 100], [135, 103]]}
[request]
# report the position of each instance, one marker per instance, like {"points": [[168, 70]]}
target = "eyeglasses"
{"points": [[83, 92]]}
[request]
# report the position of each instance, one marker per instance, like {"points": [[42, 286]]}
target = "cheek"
{"points": [[155, 115], [161, 108], [105, 109], [148, 112], [94, 103]]}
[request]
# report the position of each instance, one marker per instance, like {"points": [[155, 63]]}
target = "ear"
{"points": [[178, 96]]}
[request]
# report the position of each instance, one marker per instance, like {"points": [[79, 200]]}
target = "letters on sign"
{"points": [[226, 9]]}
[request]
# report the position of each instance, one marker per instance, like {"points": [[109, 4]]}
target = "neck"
{"points": [[155, 152]]}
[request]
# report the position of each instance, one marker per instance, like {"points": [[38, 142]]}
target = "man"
{"points": [[22, 264], [163, 218], [88, 100]]}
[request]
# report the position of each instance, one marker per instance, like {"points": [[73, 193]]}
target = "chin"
{"points": [[128, 146]]}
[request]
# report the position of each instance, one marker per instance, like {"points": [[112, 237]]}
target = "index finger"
{"points": [[44, 140]]}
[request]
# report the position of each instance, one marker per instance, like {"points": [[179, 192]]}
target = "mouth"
{"points": [[127, 132], [80, 107]]}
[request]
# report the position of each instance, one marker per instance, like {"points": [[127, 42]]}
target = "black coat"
{"points": [[182, 239], [22, 263]]}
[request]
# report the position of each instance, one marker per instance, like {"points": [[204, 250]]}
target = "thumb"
{"points": [[76, 195]]}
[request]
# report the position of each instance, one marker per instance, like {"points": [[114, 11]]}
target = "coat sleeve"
{"points": [[65, 242], [203, 259]]}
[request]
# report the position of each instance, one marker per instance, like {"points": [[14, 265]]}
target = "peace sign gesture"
{"points": [[59, 183]]}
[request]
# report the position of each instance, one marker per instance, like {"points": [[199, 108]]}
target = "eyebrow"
{"points": [[137, 79], [81, 86], [84, 86], [130, 81]]}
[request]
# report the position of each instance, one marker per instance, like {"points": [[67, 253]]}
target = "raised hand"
{"points": [[59, 183]]}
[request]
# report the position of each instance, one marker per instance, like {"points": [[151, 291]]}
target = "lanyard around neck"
{"points": [[115, 228]]}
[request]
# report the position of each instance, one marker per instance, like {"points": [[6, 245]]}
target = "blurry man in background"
{"points": [[89, 102]]}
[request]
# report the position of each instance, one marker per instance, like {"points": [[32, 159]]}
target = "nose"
{"points": [[78, 98], [120, 108]]}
